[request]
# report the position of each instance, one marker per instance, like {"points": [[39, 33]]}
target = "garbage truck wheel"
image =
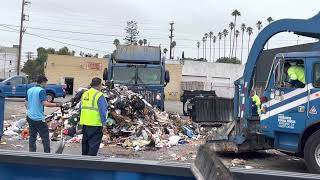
{"points": [[312, 153], [50, 97]]}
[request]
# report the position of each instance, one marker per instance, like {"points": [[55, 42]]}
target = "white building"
{"points": [[8, 61]]}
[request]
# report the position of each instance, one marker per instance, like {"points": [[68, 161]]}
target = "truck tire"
{"points": [[312, 153], [50, 97]]}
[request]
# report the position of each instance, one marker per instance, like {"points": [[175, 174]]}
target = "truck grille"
{"points": [[149, 96]]}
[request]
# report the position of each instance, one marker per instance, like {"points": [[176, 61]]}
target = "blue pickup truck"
{"points": [[17, 86]]}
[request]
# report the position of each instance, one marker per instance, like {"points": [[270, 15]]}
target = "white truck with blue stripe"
{"points": [[290, 117]]}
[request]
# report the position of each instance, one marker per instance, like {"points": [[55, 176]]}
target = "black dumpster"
{"points": [[2, 101], [212, 109]]}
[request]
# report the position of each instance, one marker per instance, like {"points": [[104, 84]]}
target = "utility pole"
{"points": [[29, 55], [22, 30], [171, 36]]}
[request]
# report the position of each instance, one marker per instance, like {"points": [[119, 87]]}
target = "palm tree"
{"points": [[235, 49], [270, 20], [198, 46], [235, 13], [243, 29], [225, 34], [140, 42], [173, 45], [259, 26], [220, 37], [116, 42], [205, 44], [214, 39], [145, 42], [231, 26], [210, 38], [165, 50], [249, 31]]}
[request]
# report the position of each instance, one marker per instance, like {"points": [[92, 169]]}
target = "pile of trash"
{"points": [[132, 122]]}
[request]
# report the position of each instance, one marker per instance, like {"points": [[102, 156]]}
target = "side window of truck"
{"points": [[15, 81], [316, 75]]}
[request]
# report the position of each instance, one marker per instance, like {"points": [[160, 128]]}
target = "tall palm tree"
{"points": [[116, 42], [259, 26], [270, 20], [235, 13], [165, 50], [231, 26], [205, 44], [235, 49], [220, 37], [210, 38], [198, 46], [249, 31], [243, 29], [145, 42], [140, 42], [214, 39], [225, 34]]}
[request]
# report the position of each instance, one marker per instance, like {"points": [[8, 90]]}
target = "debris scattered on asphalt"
{"points": [[132, 123], [238, 161]]}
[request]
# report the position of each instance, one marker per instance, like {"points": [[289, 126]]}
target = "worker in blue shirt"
{"points": [[35, 102], [93, 117]]}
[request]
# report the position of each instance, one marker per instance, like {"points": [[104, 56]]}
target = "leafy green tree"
{"points": [[64, 51], [243, 29], [235, 13], [132, 32], [232, 60], [231, 26], [116, 42], [225, 34]]}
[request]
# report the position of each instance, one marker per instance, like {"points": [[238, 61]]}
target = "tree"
{"points": [[173, 45], [165, 50], [132, 32], [243, 29], [96, 55], [140, 42], [145, 42], [236, 47], [73, 53], [198, 46], [225, 34], [205, 44], [214, 39], [270, 20], [259, 26], [210, 38], [231, 26], [232, 60], [116, 42], [235, 13], [64, 51], [220, 37], [182, 56], [249, 31]]}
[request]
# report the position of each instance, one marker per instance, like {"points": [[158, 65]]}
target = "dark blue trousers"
{"points": [[92, 136]]}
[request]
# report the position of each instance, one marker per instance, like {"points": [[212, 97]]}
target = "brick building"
{"points": [[73, 71]]}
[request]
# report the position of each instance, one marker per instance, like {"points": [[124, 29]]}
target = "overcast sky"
{"points": [[192, 19]]}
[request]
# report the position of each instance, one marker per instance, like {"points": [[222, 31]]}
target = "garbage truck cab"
{"points": [[290, 116], [142, 70]]}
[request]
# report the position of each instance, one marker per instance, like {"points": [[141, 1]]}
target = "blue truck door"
{"points": [[313, 110], [289, 112], [15, 87]]}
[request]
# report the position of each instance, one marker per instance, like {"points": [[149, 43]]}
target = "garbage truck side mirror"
{"points": [[167, 77], [105, 74]]}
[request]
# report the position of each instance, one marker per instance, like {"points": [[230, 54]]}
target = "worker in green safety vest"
{"points": [[256, 103], [93, 117], [296, 75]]}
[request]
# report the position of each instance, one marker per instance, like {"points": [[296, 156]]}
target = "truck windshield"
{"points": [[124, 75], [148, 75]]}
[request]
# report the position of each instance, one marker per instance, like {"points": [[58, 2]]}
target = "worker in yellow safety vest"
{"points": [[256, 103], [93, 117], [296, 75]]}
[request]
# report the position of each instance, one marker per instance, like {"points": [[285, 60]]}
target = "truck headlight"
{"points": [[158, 96]]}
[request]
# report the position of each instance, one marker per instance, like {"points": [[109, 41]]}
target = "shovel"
{"points": [[62, 143]]}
